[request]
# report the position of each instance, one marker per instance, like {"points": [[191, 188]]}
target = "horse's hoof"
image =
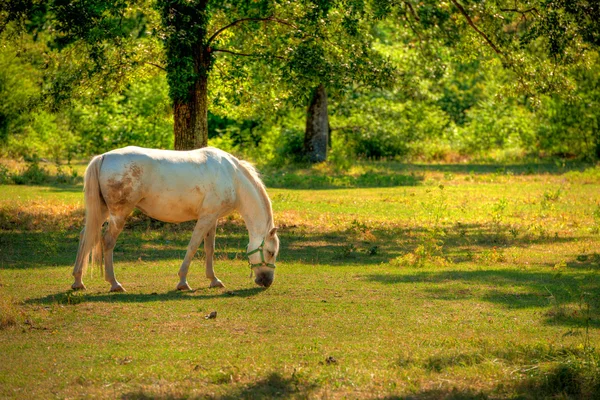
{"points": [[78, 286], [185, 286], [216, 284], [117, 289]]}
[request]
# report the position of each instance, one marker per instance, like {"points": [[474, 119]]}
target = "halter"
{"points": [[262, 262]]}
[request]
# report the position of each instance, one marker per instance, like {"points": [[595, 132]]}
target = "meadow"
{"points": [[393, 281]]}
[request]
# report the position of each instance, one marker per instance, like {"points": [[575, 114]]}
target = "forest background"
{"points": [[410, 81]]}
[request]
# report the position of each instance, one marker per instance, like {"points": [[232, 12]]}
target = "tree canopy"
{"points": [[397, 73]]}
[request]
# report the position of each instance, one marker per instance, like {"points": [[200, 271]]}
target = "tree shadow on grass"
{"points": [[62, 188], [274, 386], [71, 297], [152, 240], [394, 174], [440, 394], [517, 168], [571, 300], [565, 375]]}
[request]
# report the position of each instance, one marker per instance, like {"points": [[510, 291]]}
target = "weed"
{"points": [[498, 211], [495, 255], [559, 266], [373, 250], [558, 311], [539, 230], [347, 251], [584, 306], [547, 203], [552, 195], [358, 226], [430, 249], [596, 216], [497, 214], [5, 175], [71, 298], [514, 231], [429, 252], [8, 312], [436, 209], [66, 177], [439, 363]]}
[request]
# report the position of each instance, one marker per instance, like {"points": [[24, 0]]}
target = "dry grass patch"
{"points": [[41, 216]]}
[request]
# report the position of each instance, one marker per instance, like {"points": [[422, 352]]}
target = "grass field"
{"points": [[393, 281]]}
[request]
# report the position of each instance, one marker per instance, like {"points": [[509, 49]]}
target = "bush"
{"points": [[33, 174]]}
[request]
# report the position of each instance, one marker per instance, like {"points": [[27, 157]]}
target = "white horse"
{"points": [[175, 186]]}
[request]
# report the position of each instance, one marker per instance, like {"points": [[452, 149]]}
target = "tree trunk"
{"points": [[597, 136], [191, 118], [191, 114], [316, 136]]}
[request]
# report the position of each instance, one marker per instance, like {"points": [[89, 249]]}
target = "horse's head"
{"points": [[262, 259]]}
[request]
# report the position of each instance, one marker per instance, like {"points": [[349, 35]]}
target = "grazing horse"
{"points": [[175, 186]]}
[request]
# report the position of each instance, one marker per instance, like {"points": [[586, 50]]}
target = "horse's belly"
{"points": [[170, 208]]}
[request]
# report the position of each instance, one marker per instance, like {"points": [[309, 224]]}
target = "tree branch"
{"points": [[412, 11], [236, 53], [522, 12], [234, 23], [156, 65], [470, 21], [416, 32], [351, 127]]}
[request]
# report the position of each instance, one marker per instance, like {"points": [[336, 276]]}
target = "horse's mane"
{"points": [[253, 175]]}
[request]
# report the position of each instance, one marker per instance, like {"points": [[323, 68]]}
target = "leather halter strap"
{"points": [[263, 263]]}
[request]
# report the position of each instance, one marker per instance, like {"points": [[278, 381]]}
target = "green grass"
{"points": [[460, 282]]}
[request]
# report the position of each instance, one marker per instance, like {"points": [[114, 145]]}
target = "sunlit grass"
{"points": [[497, 294]]}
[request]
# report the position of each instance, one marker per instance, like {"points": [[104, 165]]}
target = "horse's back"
{"points": [[169, 185]]}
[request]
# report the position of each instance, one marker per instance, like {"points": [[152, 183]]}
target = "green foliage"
{"points": [[75, 77], [497, 126], [570, 126], [139, 116], [184, 30], [34, 173], [19, 90]]}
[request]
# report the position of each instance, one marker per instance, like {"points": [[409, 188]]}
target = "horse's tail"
{"points": [[90, 240]]}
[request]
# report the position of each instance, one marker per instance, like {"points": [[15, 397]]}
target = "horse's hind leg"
{"points": [[115, 226], [202, 227], [78, 269], [209, 252], [81, 263]]}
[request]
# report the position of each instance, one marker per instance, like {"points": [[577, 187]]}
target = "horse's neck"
{"points": [[255, 211]]}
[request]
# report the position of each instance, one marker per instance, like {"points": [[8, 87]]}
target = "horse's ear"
{"points": [[273, 232]]}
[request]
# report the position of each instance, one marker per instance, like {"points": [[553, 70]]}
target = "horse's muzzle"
{"points": [[264, 280]]}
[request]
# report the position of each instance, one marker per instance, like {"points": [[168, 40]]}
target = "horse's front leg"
{"points": [[200, 230], [209, 252]]}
